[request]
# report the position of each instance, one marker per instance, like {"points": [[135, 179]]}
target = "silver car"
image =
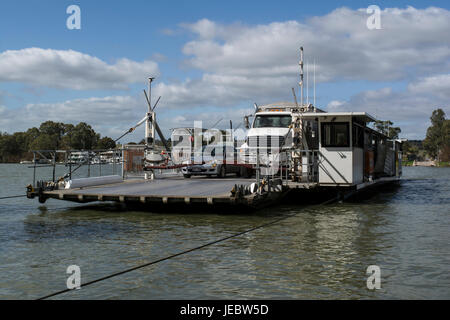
{"points": [[216, 165]]}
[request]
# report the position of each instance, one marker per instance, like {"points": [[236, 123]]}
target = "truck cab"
{"points": [[280, 127], [269, 129]]}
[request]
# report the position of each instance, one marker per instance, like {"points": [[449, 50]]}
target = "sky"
{"points": [[213, 59]]}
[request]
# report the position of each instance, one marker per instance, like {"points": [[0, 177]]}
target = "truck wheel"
{"points": [[248, 173], [187, 176], [222, 172], [42, 199]]}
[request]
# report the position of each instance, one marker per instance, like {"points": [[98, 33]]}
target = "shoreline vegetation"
{"points": [[434, 150], [440, 164], [50, 135]]}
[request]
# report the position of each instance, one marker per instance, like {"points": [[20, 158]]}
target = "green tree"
{"points": [[31, 134], [55, 130], [44, 142], [21, 139], [437, 134], [52, 128], [83, 137], [394, 132], [445, 150], [9, 148], [66, 141], [411, 151], [105, 143], [386, 128]]}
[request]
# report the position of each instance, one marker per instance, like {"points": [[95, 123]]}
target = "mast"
{"points": [[149, 123], [150, 80], [307, 83], [301, 76], [314, 77]]}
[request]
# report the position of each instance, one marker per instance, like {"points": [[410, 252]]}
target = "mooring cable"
{"points": [[9, 197], [185, 251]]}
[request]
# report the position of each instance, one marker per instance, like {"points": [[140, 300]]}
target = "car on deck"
{"points": [[216, 160]]}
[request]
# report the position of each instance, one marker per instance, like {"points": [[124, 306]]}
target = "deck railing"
{"points": [[288, 164], [78, 163]]}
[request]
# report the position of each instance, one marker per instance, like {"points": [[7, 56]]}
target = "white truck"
{"points": [[277, 128]]}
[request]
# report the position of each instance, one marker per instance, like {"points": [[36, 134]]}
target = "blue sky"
{"points": [[171, 35]]}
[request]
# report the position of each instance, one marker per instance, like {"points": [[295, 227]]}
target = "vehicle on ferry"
{"points": [[215, 160]]}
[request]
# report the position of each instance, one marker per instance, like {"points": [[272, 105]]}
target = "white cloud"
{"points": [[71, 69], [248, 63], [335, 105], [108, 115], [222, 90], [340, 41], [409, 109], [438, 85], [215, 117], [205, 28]]}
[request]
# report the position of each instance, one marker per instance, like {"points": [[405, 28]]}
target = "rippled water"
{"points": [[321, 253]]}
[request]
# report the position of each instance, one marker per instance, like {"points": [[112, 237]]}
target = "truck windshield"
{"points": [[272, 121]]}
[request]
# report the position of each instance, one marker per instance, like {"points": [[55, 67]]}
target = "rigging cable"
{"points": [[182, 252], [9, 197]]}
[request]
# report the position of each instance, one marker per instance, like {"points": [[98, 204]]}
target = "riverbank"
{"points": [[441, 164]]}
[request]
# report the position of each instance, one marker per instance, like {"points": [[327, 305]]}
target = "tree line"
{"points": [[51, 136], [386, 128], [436, 144]]}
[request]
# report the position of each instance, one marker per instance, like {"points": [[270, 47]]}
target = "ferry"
{"points": [[289, 147]]}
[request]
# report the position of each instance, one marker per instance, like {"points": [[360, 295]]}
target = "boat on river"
{"points": [[290, 147]]}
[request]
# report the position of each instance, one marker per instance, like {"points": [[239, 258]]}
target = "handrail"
{"points": [[281, 163], [52, 161]]}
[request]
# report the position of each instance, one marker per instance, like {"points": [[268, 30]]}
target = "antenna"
{"points": [[301, 76], [307, 83], [314, 72]]}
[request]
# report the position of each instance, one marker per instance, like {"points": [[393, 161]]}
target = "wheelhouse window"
{"points": [[272, 121], [357, 136], [335, 134]]}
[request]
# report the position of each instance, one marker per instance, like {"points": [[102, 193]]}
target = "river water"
{"points": [[321, 253]]}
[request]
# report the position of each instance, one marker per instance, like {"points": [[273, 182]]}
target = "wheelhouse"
{"points": [[350, 152]]}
